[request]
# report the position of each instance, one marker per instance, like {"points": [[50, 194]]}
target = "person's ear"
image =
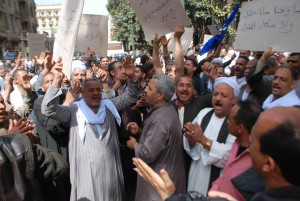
{"points": [[112, 72], [240, 128], [161, 96], [234, 99], [269, 164]]}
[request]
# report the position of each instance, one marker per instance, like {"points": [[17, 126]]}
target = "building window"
{"points": [[31, 12], [6, 22]]}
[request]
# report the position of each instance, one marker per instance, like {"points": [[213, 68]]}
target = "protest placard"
{"points": [[36, 44], [186, 39], [269, 23], [159, 16], [67, 31], [93, 34]]}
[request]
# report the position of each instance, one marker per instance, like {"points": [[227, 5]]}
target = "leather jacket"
{"points": [[23, 165]]}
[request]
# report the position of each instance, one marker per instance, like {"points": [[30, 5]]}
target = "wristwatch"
{"points": [[208, 144]]}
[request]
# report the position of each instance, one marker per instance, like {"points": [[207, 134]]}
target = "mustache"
{"points": [[218, 102], [276, 85]]}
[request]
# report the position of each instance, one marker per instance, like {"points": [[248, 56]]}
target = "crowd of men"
{"points": [[220, 122]]}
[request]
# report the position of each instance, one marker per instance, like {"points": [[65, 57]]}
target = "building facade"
{"points": [[17, 18], [48, 18]]}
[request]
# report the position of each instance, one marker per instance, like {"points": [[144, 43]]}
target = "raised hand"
{"points": [[164, 41], [179, 31], [156, 40], [268, 53], [41, 59], [90, 53], [19, 62], [22, 126], [57, 68], [162, 183], [129, 67], [48, 61], [102, 75], [58, 74], [73, 93]]}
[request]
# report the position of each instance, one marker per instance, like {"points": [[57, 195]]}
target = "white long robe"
{"points": [[202, 159], [95, 166]]}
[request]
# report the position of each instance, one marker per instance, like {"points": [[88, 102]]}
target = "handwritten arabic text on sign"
{"points": [[269, 22], [66, 34], [92, 33], [159, 16]]}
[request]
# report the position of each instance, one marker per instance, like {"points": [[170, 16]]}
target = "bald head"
{"points": [[274, 117], [275, 146]]}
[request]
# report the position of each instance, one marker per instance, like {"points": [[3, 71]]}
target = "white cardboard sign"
{"points": [[269, 23], [159, 16], [67, 31], [93, 34], [36, 44], [186, 39]]}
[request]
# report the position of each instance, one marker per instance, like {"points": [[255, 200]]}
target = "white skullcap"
{"points": [[190, 53], [77, 64], [231, 81], [217, 60]]}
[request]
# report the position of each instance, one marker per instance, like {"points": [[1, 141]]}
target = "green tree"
{"points": [[126, 26], [211, 12]]}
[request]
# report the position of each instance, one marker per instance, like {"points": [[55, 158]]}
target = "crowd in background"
{"points": [[191, 115]]}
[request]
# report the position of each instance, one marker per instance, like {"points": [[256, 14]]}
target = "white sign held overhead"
{"points": [[66, 34], [92, 34], [36, 44], [159, 16], [186, 39], [269, 23]]}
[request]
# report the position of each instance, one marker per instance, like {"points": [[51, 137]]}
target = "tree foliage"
{"points": [[126, 26]]}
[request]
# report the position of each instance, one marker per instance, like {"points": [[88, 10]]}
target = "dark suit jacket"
{"points": [[192, 109], [53, 134]]}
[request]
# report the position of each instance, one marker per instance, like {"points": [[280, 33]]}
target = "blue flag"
{"points": [[216, 39]]}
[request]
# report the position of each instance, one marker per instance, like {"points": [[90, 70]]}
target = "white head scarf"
{"points": [[77, 64], [231, 81]]}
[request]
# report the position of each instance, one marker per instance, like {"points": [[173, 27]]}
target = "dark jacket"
{"points": [[192, 196], [53, 134], [24, 166], [192, 109], [261, 86], [291, 193]]}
